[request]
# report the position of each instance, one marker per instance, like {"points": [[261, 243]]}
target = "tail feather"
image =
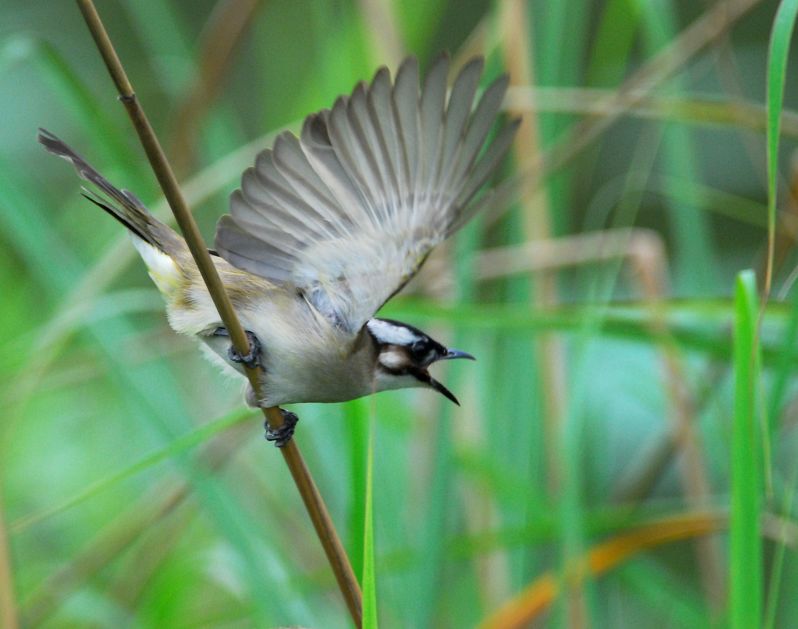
{"points": [[123, 205], [114, 212]]}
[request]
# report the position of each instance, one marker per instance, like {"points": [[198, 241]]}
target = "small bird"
{"points": [[325, 228]]}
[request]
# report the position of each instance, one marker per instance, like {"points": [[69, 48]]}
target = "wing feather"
{"points": [[383, 122], [326, 162], [487, 163], [459, 108], [257, 256], [433, 98], [405, 98], [293, 164], [347, 213], [478, 127], [370, 159]]}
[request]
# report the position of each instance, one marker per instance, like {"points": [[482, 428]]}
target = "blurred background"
{"points": [[600, 453]]}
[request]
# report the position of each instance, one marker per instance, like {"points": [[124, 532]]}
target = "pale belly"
{"points": [[318, 364]]}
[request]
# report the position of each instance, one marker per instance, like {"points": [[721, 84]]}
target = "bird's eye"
{"points": [[420, 351]]}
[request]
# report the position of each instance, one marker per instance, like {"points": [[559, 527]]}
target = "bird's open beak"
{"points": [[449, 355], [455, 353], [442, 390]]}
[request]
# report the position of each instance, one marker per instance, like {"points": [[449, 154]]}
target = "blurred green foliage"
{"points": [[136, 491]]}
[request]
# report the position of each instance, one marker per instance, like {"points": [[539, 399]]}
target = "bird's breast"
{"points": [[305, 358]]}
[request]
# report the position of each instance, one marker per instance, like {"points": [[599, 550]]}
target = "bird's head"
{"points": [[404, 354]]}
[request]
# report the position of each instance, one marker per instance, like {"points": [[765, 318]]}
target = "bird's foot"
{"points": [[282, 435], [252, 358]]}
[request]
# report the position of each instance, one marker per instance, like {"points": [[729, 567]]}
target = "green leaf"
{"points": [[357, 419], [745, 560], [369, 581], [780, 37]]}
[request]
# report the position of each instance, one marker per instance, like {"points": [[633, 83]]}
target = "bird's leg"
{"points": [[284, 433], [252, 358]]}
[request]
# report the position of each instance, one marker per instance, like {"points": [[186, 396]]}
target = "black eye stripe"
{"points": [[425, 357], [408, 370], [419, 348], [426, 349]]}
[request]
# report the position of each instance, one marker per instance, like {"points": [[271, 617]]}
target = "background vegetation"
{"points": [[626, 449]]}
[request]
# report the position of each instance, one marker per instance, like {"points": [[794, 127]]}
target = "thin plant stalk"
{"points": [[314, 503]]}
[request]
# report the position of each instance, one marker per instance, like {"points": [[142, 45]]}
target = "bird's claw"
{"points": [[252, 358], [282, 435]]}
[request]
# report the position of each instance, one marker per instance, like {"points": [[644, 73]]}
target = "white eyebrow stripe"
{"points": [[390, 333]]}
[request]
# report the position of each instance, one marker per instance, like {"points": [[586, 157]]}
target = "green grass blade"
{"points": [[357, 419], [369, 581], [780, 36], [745, 560], [615, 38]]}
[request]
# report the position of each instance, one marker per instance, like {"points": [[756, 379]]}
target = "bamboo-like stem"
{"points": [[314, 503]]}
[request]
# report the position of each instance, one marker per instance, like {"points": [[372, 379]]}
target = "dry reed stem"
{"points": [[650, 262], [518, 49], [561, 253], [314, 503], [697, 109], [382, 32]]}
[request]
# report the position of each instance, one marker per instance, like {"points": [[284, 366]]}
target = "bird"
{"points": [[325, 228]]}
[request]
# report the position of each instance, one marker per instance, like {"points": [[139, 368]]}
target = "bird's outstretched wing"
{"points": [[347, 213]]}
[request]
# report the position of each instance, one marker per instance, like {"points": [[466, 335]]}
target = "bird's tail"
{"points": [[164, 252], [123, 205]]}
